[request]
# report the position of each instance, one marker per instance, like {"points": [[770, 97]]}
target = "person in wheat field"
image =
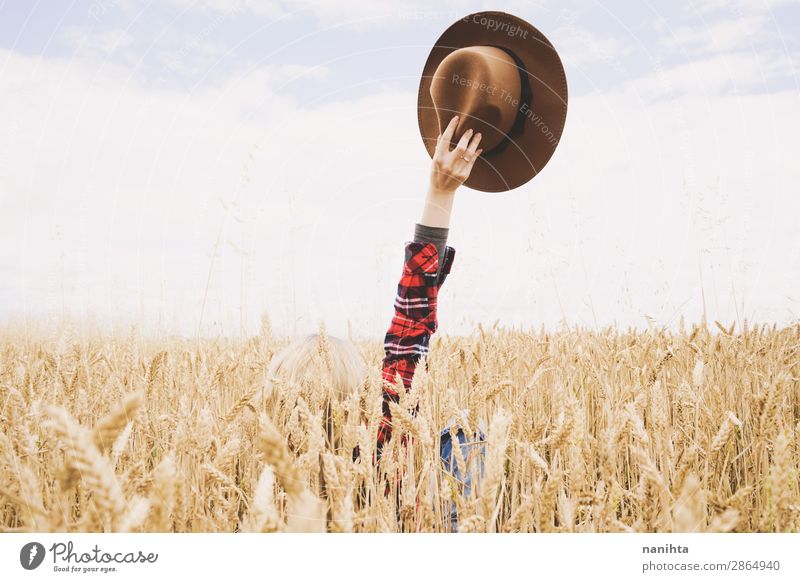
{"points": [[428, 260], [491, 108], [492, 81]]}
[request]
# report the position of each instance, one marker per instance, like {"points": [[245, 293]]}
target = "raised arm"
{"points": [[427, 263]]}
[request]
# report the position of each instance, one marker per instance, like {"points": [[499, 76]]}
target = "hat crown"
{"points": [[482, 85]]}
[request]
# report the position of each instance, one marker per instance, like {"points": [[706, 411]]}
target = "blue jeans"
{"points": [[473, 450]]}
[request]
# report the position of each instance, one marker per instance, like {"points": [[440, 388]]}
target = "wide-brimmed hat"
{"points": [[504, 79]]}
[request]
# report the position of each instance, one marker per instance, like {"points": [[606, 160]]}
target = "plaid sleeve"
{"points": [[413, 323]]}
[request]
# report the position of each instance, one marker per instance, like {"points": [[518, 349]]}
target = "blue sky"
{"points": [[189, 44], [198, 163]]}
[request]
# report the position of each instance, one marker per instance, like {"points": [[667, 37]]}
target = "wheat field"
{"points": [[585, 431]]}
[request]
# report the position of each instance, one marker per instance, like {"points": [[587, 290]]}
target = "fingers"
{"points": [[452, 167], [447, 134], [473, 145], [463, 143]]}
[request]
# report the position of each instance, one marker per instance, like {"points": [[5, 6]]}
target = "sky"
{"points": [[190, 166]]}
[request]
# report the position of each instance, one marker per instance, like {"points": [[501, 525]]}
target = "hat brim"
{"points": [[526, 154]]}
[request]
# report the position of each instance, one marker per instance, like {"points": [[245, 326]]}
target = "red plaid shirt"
{"points": [[413, 323]]}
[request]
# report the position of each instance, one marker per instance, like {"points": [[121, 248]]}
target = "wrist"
{"points": [[437, 191], [438, 206]]}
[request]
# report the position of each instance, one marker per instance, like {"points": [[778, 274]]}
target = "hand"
{"points": [[451, 168]]}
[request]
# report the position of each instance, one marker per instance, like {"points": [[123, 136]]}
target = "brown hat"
{"points": [[504, 79]]}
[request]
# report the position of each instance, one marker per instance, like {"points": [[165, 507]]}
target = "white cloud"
{"points": [[267, 8], [87, 41], [714, 75], [740, 33], [579, 46], [737, 6], [115, 195], [347, 13], [712, 27]]}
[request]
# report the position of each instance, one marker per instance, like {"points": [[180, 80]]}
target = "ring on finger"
{"points": [[465, 158]]}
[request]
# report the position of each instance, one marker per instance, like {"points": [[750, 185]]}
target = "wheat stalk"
{"points": [[94, 469]]}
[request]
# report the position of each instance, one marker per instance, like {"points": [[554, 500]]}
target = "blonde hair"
{"points": [[324, 370]]}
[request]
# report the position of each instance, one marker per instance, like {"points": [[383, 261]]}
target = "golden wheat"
{"points": [[596, 431]]}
